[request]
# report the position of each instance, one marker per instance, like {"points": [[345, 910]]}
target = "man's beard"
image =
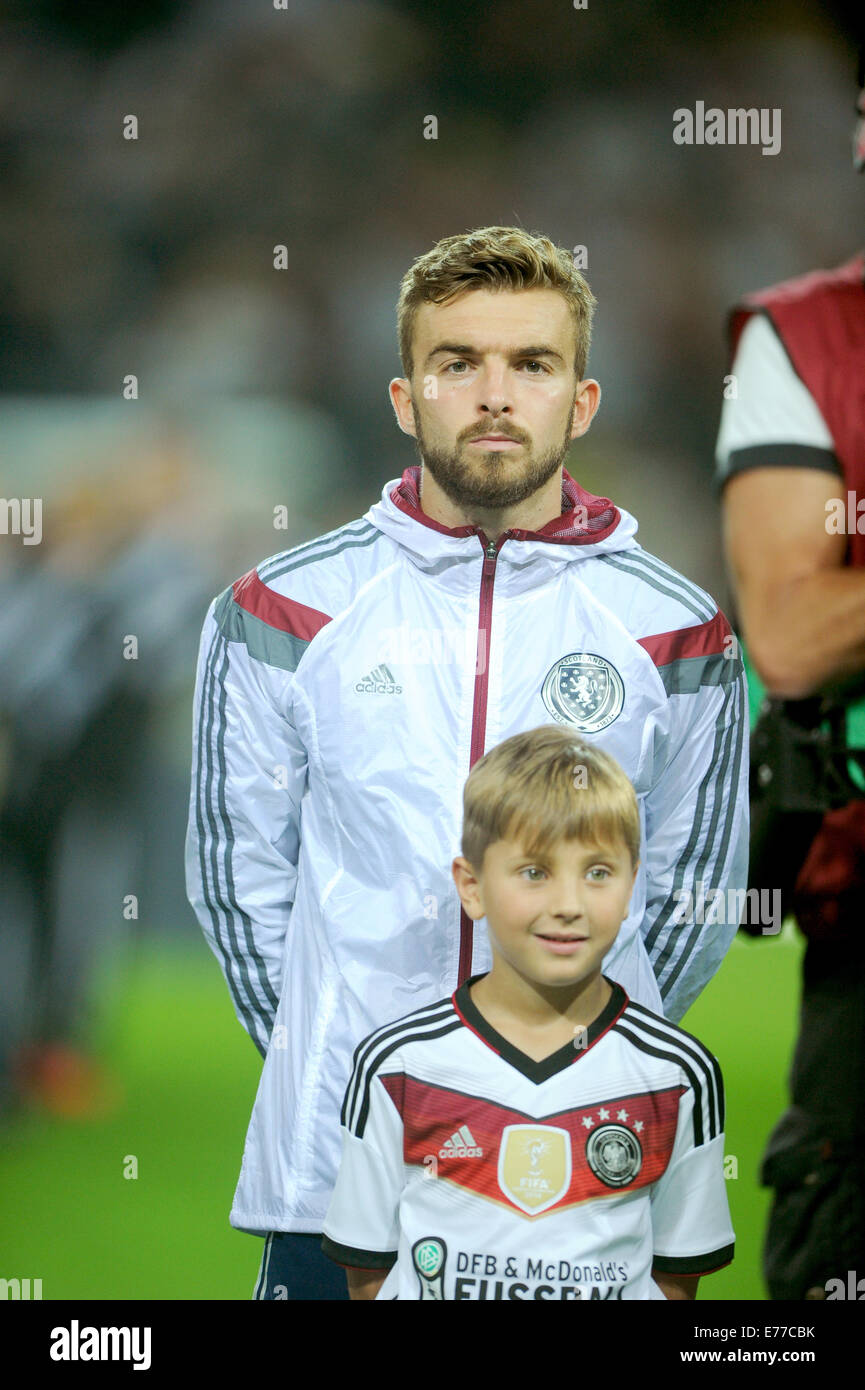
{"points": [[488, 485]]}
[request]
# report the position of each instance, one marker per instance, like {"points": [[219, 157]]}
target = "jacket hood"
{"points": [[598, 528]]}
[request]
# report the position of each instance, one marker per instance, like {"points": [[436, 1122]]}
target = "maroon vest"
{"points": [[820, 319]]}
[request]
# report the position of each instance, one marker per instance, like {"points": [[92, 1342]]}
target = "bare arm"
{"points": [[677, 1287], [364, 1283], [802, 612]]}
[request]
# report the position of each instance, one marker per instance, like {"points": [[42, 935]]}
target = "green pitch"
{"points": [[186, 1075]]}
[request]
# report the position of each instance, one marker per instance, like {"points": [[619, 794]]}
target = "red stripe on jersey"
{"points": [[434, 1115], [275, 609], [707, 639]]}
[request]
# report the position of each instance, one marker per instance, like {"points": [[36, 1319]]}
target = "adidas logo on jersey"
{"points": [[380, 681], [461, 1145]]}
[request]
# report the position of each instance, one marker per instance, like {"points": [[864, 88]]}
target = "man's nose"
{"points": [[494, 392]]}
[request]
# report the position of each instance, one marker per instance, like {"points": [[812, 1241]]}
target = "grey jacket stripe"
{"points": [[403, 1029], [263, 642], [351, 528], [680, 581], [296, 564], [733, 750], [728, 735], [228, 859], [711, 783], [638, 571], [655, 1050], [685, 675], [643, 1020], [262, 1014], [210, 883]]}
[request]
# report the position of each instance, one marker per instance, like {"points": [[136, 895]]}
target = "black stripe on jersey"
{"points": [[353, 1258], [405, 1027], [779, 456], [696, 1080], [694, 1264], [653, 1023], [397, 1043]]}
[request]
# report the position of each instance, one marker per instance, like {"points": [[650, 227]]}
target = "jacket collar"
{"points": [[601, 516]]}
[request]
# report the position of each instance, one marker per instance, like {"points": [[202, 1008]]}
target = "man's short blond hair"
{"points": [[494, 258], [545, 786]]}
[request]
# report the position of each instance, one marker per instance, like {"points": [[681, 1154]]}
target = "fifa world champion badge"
{"points": [[585, 691], [429, 1257]]}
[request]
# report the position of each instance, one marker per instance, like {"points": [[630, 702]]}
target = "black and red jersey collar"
{"points": [[558, 1060], [602, 517]]}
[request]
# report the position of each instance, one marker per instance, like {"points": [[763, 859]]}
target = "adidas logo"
{"points": [[380, 681], [461, 1145]]}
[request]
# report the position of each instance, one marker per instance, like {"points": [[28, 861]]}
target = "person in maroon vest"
{"points": [[791, 451]]}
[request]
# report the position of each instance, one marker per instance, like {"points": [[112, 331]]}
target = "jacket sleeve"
{"points": [[697, 812], [249, 772]]}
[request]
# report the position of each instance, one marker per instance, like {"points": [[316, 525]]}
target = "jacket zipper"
{"points": [[479, 709]]}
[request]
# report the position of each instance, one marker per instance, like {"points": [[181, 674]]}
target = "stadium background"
{"points": [[262, 389]]}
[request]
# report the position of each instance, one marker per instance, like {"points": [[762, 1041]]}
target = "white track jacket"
{"points": [[344, 690]]}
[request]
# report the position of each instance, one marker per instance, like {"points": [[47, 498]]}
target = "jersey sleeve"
{"points": [[361, 1228], [697, 812], [249, 772], [690, 1213], [770, 419]]}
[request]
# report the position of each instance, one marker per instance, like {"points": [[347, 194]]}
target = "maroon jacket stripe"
{"points": [[276, 610], [706, 639]]}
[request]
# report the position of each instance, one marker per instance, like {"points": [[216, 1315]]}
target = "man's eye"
{"points": [[461, 363], [533, 363]]}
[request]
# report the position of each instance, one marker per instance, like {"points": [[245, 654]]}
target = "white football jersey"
{"points": [[471, 1171]]}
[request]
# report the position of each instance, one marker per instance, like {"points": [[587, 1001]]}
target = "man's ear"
{"points": [[468, 888], [400, 398], [585, 406]]}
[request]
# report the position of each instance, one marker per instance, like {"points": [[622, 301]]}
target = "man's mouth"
{"points": [[496, 441]]}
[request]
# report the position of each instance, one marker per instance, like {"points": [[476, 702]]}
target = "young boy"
{"points": [[537, 1135]]}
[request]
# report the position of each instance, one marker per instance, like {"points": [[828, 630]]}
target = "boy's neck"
{"points": [[538, 1019]]}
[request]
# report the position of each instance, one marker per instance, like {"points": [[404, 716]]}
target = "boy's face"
{"points": [[553, 918]]}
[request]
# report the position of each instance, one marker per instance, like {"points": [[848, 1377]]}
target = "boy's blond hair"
{"points": [[545, 786], [494, 258]]}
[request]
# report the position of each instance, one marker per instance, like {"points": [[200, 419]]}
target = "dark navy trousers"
{"points": [[295, 1267]]}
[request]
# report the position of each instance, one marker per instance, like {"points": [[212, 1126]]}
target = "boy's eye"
{"points": [[532, 873], [599, 874]]}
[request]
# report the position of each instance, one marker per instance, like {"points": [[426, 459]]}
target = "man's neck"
{"points": [[533, 514]]}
